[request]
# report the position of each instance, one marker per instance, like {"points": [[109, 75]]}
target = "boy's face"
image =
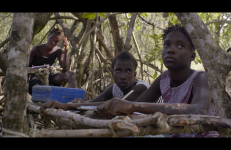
{"points": [[176, 52], [124, 74], [53, 40]]}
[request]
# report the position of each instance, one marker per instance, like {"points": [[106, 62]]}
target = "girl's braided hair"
{"points": [[176, 27]]}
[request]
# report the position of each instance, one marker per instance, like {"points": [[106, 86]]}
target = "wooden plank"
{"points": [[32, 71]]}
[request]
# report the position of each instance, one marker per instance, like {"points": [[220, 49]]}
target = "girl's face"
{"points": [[53, 40], [176, 52], [124, 74]]}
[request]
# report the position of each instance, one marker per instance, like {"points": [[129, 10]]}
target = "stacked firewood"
{"points": [[89, 124]]}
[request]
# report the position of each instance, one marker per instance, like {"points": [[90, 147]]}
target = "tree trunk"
{"points": [[104, 43], [128, 45], [80, 61], [116, 33], [40, 21], [217, 63], [14, 117]]}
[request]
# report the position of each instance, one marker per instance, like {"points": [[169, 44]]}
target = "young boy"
{"points": [[47, 54], [184, 90], [124, 72]]}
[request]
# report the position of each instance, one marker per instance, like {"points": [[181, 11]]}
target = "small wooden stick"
{"points": [[80, 108], [128, 94]]}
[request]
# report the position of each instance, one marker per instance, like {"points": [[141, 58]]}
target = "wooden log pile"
{"points": [[89, 124]]}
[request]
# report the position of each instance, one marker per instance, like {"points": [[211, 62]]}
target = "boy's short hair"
{"points": [[57, 32], [177, 27], [124, 56]]}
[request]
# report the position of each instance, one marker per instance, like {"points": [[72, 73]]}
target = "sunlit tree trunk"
{"points": [[14, 116]]}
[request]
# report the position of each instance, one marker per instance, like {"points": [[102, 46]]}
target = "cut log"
{"points": [[118, 124]]}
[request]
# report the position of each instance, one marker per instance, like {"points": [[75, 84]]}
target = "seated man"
{"points": [[123, 71], [184, 90], [47, 54]]}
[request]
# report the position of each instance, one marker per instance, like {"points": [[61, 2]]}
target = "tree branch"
{"points": [[74, 26], [127, 45], [151, 66], [92, 29], [138, 52], [64, 17], [148, 22], [103, 41], [218, 21], [47, 33], [4, 42]]}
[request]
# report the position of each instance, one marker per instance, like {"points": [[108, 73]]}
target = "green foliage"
{"points": [[155, 75], [173, 18], [89, 15], [92, 15]]}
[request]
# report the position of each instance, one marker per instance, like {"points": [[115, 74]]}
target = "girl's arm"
{"points": [[200, 102]]}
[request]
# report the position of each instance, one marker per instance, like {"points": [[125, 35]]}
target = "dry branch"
{"points": [[64, 17], [142, 124], [4, 42], [218, 21], [138, 51], [80, 133], [103, 41], [127, 45], [47, 33], [151, 66], [92, 29], [120, 124], [116, 34]]}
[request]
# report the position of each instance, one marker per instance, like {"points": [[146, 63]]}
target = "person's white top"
{"points": [[116, 92]]}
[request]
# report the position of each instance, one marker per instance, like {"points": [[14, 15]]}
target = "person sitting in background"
{"points": [[47, 54], [124, 72]]}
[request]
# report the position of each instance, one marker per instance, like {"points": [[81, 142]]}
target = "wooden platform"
{"points": [[32, 71]]}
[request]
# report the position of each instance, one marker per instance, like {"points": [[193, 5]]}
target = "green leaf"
{"points": [[138, 27], [92, 16], [157, 36], [102, 14], [155, 75], [198, 60], [87, 15], [151, 59], [170, 14], [151, 36], [143, 14]]}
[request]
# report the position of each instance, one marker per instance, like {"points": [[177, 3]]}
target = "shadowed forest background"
{"points": [[147, 33], [95, 39]]}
